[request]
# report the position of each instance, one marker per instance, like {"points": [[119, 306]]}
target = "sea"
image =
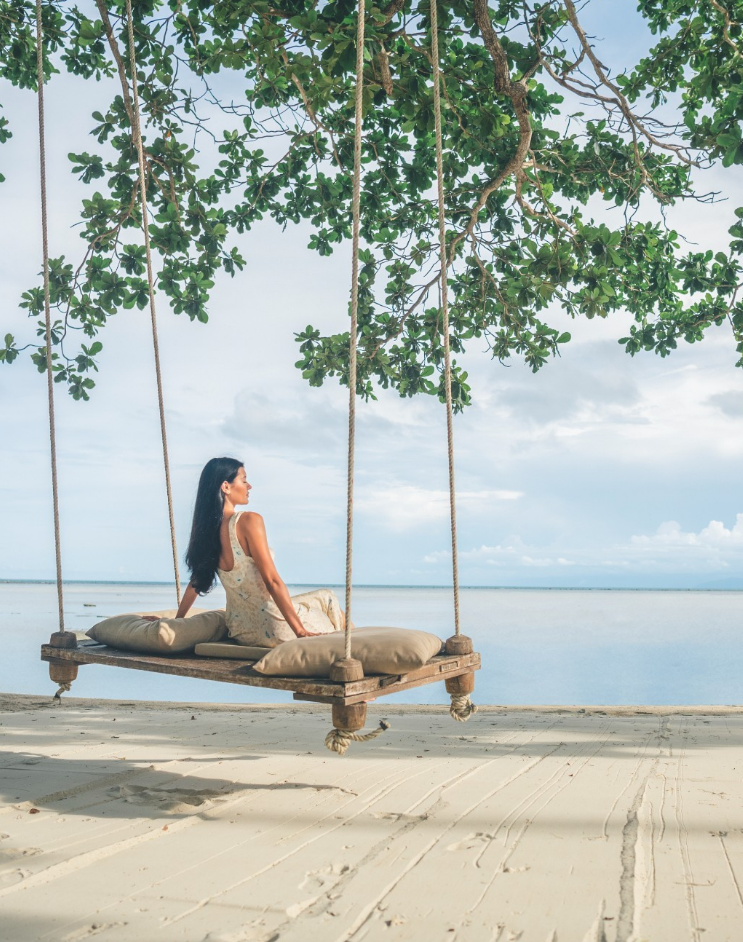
{"points": [[538, 646]]}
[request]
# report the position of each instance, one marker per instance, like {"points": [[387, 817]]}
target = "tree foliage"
{"points": [[540, 138]]}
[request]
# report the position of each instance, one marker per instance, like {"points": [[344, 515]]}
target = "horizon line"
{"points": [[384, 585]]}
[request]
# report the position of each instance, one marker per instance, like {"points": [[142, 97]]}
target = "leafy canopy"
{"points": [[538, 134]]}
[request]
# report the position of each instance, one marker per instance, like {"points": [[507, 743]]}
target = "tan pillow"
{"points": [[380, 650], [169, 635]]}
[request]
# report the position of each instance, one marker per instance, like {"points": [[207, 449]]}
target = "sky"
{"points": [[599, 471]]}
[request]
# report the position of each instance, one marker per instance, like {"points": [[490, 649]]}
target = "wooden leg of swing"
{"points": [[459, 689], [351, 717], [348, 719], [464, 684], [62, 672]]}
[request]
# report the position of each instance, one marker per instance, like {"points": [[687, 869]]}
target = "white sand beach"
{"points": [[152, 821]]}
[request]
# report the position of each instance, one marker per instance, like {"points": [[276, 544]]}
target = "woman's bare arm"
{"points": [[254, 531], [189, 597]]}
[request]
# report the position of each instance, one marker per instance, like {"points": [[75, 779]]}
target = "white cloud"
{"points": [[489, 552], [714, 536], [437, 557], [714, 548], [531, 561], [405, 506], [513, 553]]}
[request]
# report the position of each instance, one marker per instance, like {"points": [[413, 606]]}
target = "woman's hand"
{"points": [[306, 634]]}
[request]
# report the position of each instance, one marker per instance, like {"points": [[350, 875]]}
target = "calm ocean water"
{"points": [[543, 646]]}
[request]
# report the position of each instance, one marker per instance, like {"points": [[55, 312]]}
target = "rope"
{"points": [[356, 212], [462, 707], [445, 308], [338, 740], [63, 688], [47, 311], [137, 135]]}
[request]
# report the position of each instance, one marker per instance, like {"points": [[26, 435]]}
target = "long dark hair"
{"points": [[204, 547]]}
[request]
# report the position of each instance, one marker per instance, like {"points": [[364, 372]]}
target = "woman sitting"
{"points": [[232, 544]]}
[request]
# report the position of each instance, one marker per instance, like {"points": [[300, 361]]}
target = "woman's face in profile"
{"points": [[239, 490]]}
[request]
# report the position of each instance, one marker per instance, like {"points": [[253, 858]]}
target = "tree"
{"points": [[536, 131]]}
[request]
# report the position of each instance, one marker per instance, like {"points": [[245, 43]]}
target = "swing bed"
{"points": [[346, 688]]}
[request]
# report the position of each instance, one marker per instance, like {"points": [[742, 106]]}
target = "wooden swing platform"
{"points": [[316, 689]]}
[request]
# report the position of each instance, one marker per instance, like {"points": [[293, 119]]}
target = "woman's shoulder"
{"points": [[252, 532], [247, 519]]}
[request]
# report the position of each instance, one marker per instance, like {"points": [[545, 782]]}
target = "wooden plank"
{"points": [[393, 683], [318, 690], [435, 668], [223, 671]]}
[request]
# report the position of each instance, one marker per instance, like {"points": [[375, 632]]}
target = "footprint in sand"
{"points": [[317, 883], [472, 841], [399, 816], [169, 800], [9, 877], [15, 853], [318, 880]]}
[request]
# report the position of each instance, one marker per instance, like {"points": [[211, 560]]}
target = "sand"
{"points": [[148, 822]]}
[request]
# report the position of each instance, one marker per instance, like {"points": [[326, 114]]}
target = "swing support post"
{"points": [[62, 672]]}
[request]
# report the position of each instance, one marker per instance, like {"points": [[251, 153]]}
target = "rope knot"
{"points": [[462, 707], [338, 740], [63, 688]]}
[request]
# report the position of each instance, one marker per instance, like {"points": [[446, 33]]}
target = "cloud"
{"points": [[600, 389], [513, 553], [301, 421], [310, 424], [546, 561], [729, 402], [714, 536], [404, 506], [714, 548], [489, 552]]}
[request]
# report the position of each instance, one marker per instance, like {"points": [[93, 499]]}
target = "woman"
{"points": [[231, 544]]}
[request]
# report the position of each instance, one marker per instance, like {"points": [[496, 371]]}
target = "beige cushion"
{"points": [[238, 652], [168, 635], [380, 650]]}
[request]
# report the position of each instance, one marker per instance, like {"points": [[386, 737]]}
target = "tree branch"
{"points": [[517, 92], [118, 59]]}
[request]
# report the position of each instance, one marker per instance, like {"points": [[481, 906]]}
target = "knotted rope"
{"points": [[462, 707], [338, 740], [47, 311], [356, 214], [63, 688], [137, 136], [445, 307]]}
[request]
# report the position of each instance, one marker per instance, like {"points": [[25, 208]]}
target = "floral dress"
{"points": [[253, 617]]}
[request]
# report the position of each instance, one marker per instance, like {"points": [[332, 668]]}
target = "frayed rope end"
{"points": [[338, 740]]}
